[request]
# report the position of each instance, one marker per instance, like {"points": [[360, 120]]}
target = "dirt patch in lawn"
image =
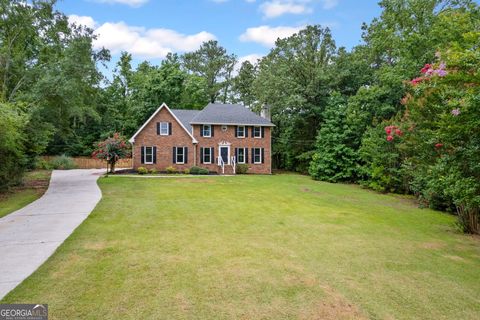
{"points": [[432, 245], [333, 306]]}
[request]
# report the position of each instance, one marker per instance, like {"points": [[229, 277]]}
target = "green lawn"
{"points": [[257, 247], [35, 184]]}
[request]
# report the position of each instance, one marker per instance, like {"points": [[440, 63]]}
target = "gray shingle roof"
{"points": [[215, 113], [185, 116]]}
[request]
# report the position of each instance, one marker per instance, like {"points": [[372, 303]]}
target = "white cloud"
{"points": [[267, 35], [131, 3], [329, 4], [252, 58], [82, 21], [139, 41], [277, 8]]}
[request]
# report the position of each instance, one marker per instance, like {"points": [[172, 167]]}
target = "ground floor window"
{"points": [[207, 155], [257, 155], [148, 155], [241, 155], [180, 155]]}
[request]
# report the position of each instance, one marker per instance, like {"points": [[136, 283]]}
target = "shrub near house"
{"points": [[218, 138]]}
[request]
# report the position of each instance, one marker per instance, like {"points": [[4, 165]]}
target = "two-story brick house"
{"points": [[218, 138]]}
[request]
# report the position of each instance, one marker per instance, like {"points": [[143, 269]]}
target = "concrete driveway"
{"points": [[30, 235]]}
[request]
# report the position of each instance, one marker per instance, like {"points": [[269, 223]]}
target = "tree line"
{"points": [[379, 114]]}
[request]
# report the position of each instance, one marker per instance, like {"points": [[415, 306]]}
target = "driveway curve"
{"points": [[29, 236]]}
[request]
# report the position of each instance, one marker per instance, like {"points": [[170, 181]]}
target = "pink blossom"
{"points": [[389, 138], [455, 112]]}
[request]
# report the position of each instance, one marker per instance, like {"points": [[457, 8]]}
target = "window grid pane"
{"points": [[180, 156], [148, 155], [206, 155], [164, 128]]}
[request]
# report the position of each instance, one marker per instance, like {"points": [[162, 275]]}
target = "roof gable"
{"points": [[164, 105]]}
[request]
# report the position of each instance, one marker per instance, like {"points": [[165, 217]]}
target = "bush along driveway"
{"points": [[30, 235]]}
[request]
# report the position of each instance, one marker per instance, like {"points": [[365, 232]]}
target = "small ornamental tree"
{"points": [[111, 150]]}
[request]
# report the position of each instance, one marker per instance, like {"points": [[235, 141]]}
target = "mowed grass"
{"points": [[257, 247], [35, 183]]}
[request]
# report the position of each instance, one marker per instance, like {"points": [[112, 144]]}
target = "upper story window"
{"points": [[207, 130], [241, 132], [257, 132], [164, 129]]}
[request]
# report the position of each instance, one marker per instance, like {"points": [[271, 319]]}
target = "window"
{"points": [[257, 132], [241, 155], [257, 155], [180, 156], [241, 132], [207, 155], [164, 129], [207, 130], [148, 155]]}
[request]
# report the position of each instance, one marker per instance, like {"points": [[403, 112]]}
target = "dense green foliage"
{"points": [[12, 157], [332, 108]]}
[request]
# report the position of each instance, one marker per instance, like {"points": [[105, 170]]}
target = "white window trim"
{"points": [[259, 131], [168, 128], [244, 158], [259, 156], [183, 155], [145, 155], [244, 128], [210, 153], [209, 131]]}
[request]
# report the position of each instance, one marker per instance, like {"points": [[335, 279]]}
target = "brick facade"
{"points": [[149, 137], [228, 137]]}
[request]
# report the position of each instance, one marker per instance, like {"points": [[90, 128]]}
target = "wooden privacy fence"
{"points": [[90, 163]]}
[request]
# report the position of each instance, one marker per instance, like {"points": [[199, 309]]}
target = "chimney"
{"points": [[265, 112]]}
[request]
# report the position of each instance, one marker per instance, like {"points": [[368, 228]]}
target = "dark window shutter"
{"points": [[158, 128], [253, 155], [169, 128], [245, 132], [201, 130], [263, 132], [212, 154], [185, 154], [246, 155], [263, 153], [236, 131], [253, 132], [236, 154], [154, 154], [174, 159], [142, 154], [211, 130], [201, 155]]}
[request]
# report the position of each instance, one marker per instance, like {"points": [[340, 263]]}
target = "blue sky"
{"points": [[150, 28]]}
